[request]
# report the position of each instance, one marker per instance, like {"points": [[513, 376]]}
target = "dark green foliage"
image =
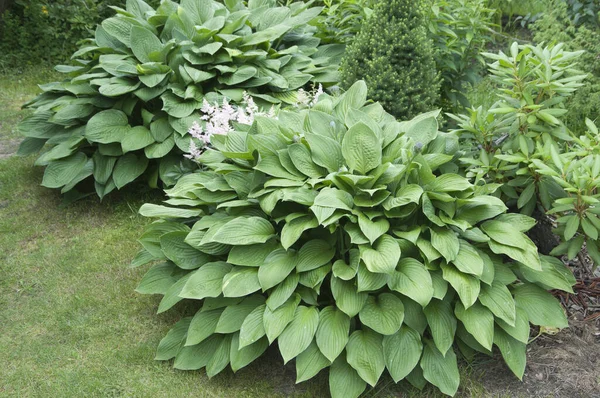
{"points": [[393, 54], [38, 30], [558, 27]]}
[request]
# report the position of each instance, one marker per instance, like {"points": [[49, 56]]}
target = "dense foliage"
{"points": [[34, 30], [460, 30], [342, 19], [523, 144], [558, 27], [345, 236], [396, 59], [133, 91]]}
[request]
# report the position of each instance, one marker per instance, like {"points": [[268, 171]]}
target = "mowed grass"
{"points": [[71, 323]]}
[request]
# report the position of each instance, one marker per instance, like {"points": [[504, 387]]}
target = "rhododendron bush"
{"points": [[346, 237], [132, 92]]}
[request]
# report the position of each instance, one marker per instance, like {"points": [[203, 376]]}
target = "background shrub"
{"points": [[559, 26], [133, 91], [340, 237], [393, 54]]}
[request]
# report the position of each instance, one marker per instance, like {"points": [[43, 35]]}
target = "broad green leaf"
{"points": [[361, 148], [479, 322], [512, 350], [448, 183], [251, 255], [243, 356], [309, 363], [326, 152], [61, 172], [158, 279], [282, 292], [520, 331], [373, 229], [128, 168], [554, 274], [138, 137], [440, 370], [541, 307], [172, 295], [384, 313], [240, 282], [442, 324], [183, 255], [206, 281], [445, 241], [402, 352], [298, 335], [220, 358], [158, 211], [314, 254], [344, 381], [466, 286], [383, 257], [233, 316], [468, 260], [143, 43], [301, 158], [252, 328], [275, 322], [335, 199], [365, 355], [243, 231], [292, 230], [277, 266], [202, 326], [412, 279], [332, 333], [346, 296], [172, 342], [107, 126], [422, 128], [497, 298]]}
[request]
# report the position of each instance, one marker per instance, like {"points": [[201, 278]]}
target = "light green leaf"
{"points": [[203, 325], [442, 324], [365, 355], [172, 342], [468, 260], [332, 333], [275, 322], [344, 381], [373, 229], [497, 298], [384, 313], [240, 282], [326, 152], [346, 296], [541, 307], [63, 171], [479, 322], [314, 254], [277, 266], [128, 168], [233, 316], [206, 281], [292, 230], [402, 352], [183, 255], [243, 356], [298, 335], [445, 241], [309, 363], [383, 257], [440, 370], [158, 279], [252, 328], [413, 280], [361, 148], [512, 350], [107, 126], [466, 286], [243, 231]]}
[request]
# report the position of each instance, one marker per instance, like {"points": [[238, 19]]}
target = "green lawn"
{"points": [[71, 323]]}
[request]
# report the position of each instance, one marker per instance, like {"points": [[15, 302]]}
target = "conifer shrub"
{"points": [[132, 92], [344, 236], [394, 56]]}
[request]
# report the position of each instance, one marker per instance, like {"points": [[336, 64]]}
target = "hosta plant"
{"points": [[132, 91], [344, 236]]}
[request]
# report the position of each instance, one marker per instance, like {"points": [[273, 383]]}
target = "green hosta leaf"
{"points": [[497, 298], [326, 152], [466, 286], [252, 328], [414, 317], [512, 350], [107, 126], [143, 43], [314, 254], [442, 324], [335, 199], [240, 282], [283, 291], [137, 138], [541, 307], [309, 363], [301, 158], [251, 255], [423, 128], [243, 356], [440, 370], [373, 229], [244, 231], [293, 229], [413, 280], [384, 313], [233, 316], [158, 211], [332, 333], [361, 148], [365, 355], [383, 257], [158, 279], [197, 356], [445, 241], [368, 281], [448, 183], [346, 296], [275, 322], [172, 342], [479, 322], [61, 172], [344, 381], [298, 335], [183, 255], [347, 271], [468, 260], [206, 281], [128, 168], [554, 274], [508, 240], [520, 331], [277, 266], [402, 352], [220, 358], [203, 326]]}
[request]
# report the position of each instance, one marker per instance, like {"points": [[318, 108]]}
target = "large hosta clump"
{"points": [[343, 235], [133, 90]]}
